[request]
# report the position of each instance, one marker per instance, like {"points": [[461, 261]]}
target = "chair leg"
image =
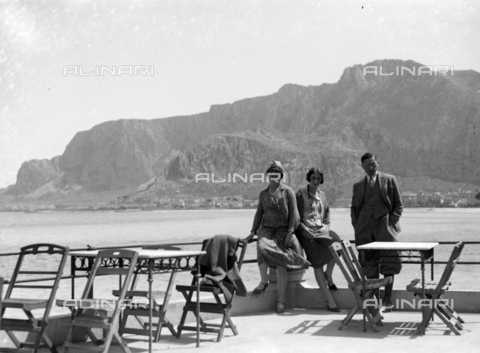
{"points": [[450, 321], [170, 327], [48, 342], [38, 340], [121, 343], [13, 338], [232, 326], [448, 309], [222, 328], [371, 320], [376, 315], [226, 319], [349, 316], [123, 323], [426, 320], [182, 322]]}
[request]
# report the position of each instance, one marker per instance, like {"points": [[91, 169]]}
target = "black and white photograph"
{"points": [[232, 176]]}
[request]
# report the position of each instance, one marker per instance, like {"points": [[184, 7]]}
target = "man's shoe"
{"points": [[387, 305]]}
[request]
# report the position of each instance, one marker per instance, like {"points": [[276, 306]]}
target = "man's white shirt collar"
{"points": [[374, 177]]}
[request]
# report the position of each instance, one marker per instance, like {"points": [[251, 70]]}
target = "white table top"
{"points": [[397, 245], [145, 253]]}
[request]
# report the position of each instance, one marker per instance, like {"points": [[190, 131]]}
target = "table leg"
{"points": [[422, 266], [363, 300], [198, 302], [72, 274], [432, 261], [90, 266], [363, 304], [150, 304]]}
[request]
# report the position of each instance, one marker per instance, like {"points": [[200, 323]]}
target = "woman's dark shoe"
{"points": [[330, 286], [260, 288], [335, 309], [280, 307]]}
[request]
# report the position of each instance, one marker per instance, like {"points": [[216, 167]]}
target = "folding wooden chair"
{"points": [[223, 292], [29, 263], [90, 313], [434, 292], [348, 263], [139, 309], [1, 298]]}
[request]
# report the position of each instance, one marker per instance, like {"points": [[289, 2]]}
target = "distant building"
{"points": [[437, 198], [461, 203], [409, 198], [469, 196], [250, 203]]}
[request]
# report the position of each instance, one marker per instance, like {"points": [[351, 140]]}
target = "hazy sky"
{"points": [[202, 53]]}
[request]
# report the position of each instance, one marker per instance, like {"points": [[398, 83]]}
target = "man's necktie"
{"points": [[371, 182]]}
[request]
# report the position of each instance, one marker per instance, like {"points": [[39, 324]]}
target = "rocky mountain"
{"points": [[419, 124]]}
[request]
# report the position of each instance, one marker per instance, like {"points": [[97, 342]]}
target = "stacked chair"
{"points": [[219, 277], [348, 263], [30, 263], [434, 292]]}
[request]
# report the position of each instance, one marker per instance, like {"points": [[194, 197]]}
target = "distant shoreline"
{"points": [[131, 210]]}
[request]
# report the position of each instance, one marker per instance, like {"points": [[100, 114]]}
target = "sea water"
{"points": [[109, 228]]}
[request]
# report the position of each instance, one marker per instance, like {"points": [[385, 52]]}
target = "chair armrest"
{"points": [[206, 289], [374, 283], [140, 293], [25, 304], [430, 286]]}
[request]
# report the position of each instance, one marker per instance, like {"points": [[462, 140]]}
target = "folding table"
{"points": [[408, 251]]}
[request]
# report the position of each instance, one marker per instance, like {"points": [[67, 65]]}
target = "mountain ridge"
{"points": [[419, 125]]}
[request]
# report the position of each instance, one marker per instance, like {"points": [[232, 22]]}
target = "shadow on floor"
{"points": [[354, 329]]}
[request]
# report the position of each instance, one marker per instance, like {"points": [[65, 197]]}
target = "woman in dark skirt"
{"points": [[314, 232], [275, 222]]}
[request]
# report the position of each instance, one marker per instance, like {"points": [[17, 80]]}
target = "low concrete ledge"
{"points": [[299, 295], [312, 298], [57, 330]]}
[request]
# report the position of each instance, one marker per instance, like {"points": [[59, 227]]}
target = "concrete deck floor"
{"points": [[301, 330]]}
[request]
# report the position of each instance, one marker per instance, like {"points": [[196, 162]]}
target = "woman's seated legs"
{"points": [[322, 283]]}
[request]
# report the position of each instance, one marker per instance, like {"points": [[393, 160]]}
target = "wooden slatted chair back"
{"points": [[1, 299], [88, 314], [26, 259], [32, 272], [352, 259], [38, 276], [447, 272], [345, 263], [124, 257], [440, 306]]}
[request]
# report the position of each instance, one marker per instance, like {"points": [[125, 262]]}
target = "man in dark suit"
{"points": [[376, 209]]}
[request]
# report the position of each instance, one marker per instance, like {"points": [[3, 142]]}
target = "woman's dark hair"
{"points": [[314, 170]]}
